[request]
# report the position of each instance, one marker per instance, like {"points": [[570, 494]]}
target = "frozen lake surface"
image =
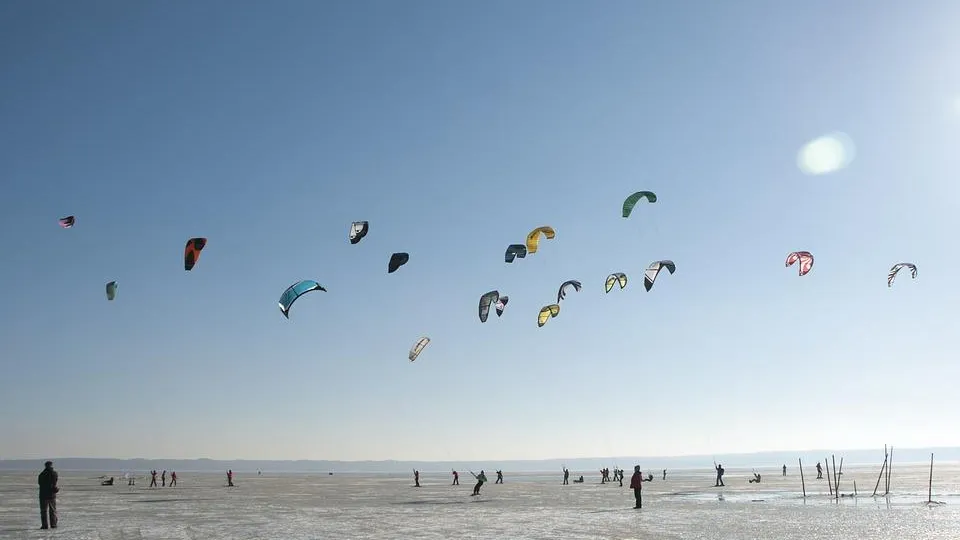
{"points": [[527, 506]]}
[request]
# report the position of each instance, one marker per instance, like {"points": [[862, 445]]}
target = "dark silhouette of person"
{"points": [[230, 478], [618, 474], [481, 478], [566, 476], [173, 478], [499, 477], [819, 471], [719, 476], [153, 478], [784, 470], [664, 474], [636, 484], [47, 480], [163, 479], [755, 479], [416, 478], [107, 482], [456, 479]]}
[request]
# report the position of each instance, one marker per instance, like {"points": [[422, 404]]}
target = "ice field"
{"points": [[526, 506]]}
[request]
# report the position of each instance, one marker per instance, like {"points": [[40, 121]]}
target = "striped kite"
{"points": [[805, 258], [652, 271], [896, 269]]}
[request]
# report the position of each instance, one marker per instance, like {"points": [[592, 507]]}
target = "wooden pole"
{"points": [[930, 484], [802, 484], [836, 485], [883, 469], [839, 474], [889, 471], [855, 494], [829, 481]]}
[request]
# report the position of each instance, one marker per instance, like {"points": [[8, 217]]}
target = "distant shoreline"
{"points": [[759, 460]]}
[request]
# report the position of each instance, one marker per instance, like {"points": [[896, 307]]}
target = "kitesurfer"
{"points": [[499, 477], [636, 484], [566, 476], [230, 478], [481, 478], [755, 479], [47, 480], [416, 478], [153, 478], [784, 470], [720, 472], [664, 474], [107, 482], [579, 480], [619, 476], [819, 471], [456, 479], [173, 478], [163, 479]]}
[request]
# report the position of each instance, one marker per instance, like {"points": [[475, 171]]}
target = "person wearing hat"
{"points": [[47, 480]]}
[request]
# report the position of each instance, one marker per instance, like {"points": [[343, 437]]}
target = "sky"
{"points": [[455, 128]]}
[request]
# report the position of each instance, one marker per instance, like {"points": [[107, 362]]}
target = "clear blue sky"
{"points": [[455, 128]]}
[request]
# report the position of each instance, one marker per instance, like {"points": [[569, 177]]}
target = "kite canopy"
{"points": [[631, 201], [616, 277], [533, 239], [67, 222], [358, 229], [396, 261], [896, 269], [562, 293], [502, 304], [485, 302], [515, 251], [547, 312], [805, 258], [652, 271], [417, 347], [295, 291], [191, 254], [111, 290]]}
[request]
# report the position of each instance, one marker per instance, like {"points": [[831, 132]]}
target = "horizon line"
{"points": [[528, 460]]}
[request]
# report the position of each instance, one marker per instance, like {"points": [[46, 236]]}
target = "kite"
{"points": [[111, 290], [547, 312], [295, 291], [515, 251], [805, 258], [652, 271], [533, 239], [191, 253], [358, 229], [502, 305], [618, 277], [417, 347], [632, 200], [396, 261], [562, 293], [492, 297], [67, 222], [896, 269]]}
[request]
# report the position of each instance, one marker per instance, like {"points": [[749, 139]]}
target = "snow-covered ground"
{"points": [[527, 506]]}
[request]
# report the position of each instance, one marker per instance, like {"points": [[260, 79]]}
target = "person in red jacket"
{"points": [[636, 484]]}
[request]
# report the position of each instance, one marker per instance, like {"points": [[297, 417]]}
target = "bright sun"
{"points": [[826, 154]]}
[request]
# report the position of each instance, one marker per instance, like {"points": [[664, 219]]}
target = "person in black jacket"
{"points": [[47, 480]]}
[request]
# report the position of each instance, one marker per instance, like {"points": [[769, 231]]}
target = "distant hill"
{"points": [[730, 461]]}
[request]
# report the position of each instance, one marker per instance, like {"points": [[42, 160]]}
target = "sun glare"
{"points": [[826, 154]]}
